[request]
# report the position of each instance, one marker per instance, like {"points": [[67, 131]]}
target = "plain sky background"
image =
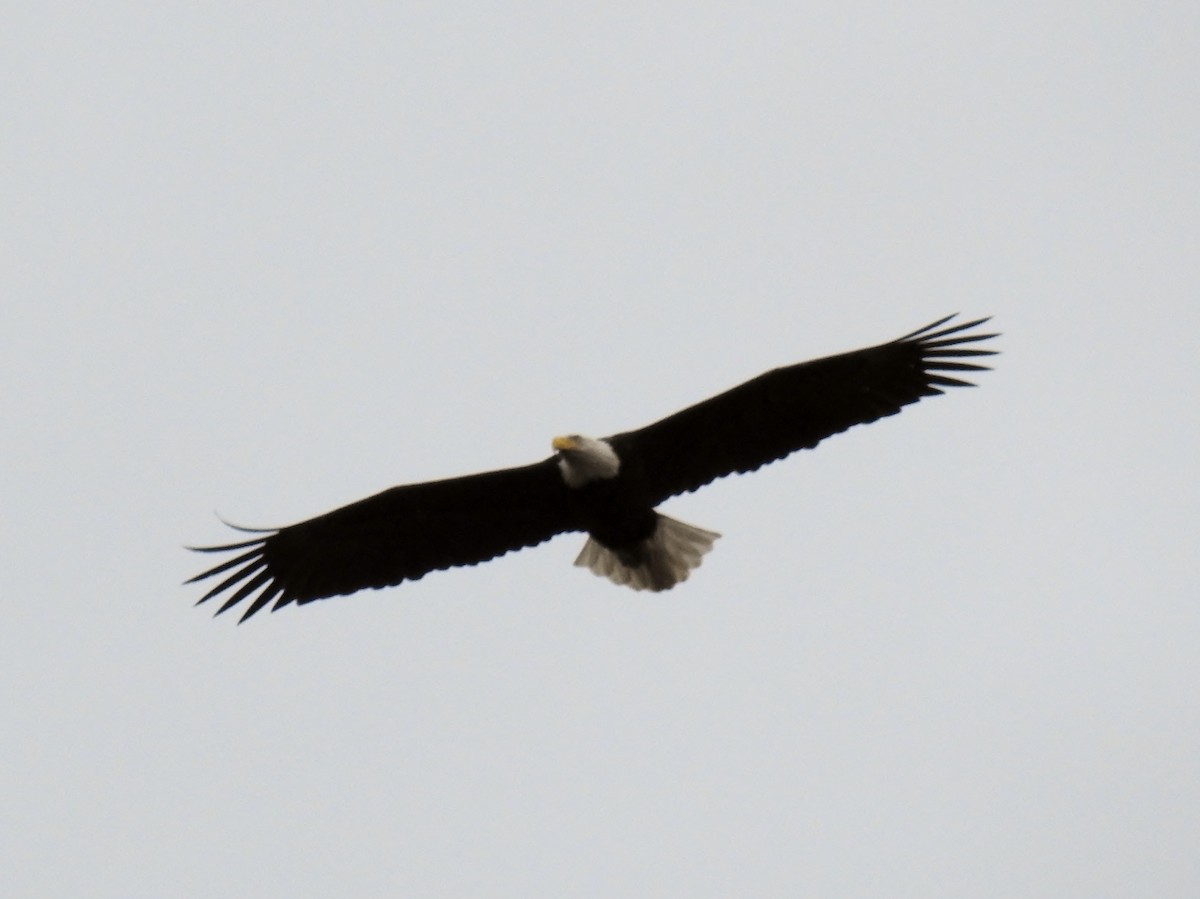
{"points": [[267, 258]]}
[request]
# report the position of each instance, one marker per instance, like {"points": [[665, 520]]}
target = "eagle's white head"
{"points": [[585, 459]]}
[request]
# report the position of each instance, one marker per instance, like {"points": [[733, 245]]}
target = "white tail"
{"points": [[659, 562]]}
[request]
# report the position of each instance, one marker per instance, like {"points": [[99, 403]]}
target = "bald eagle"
{"points": [[606, 487]]}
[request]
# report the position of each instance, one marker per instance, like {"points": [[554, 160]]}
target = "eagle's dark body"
{"points": [[614, 511]]}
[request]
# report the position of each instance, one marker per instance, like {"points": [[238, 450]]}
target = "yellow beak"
{"points": [[563, 443]]}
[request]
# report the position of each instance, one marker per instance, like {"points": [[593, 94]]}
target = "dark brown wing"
{"points": [[400, 534], [796, 407]]}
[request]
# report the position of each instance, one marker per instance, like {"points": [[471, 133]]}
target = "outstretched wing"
{"points": [[400, 534], [796, 407]]}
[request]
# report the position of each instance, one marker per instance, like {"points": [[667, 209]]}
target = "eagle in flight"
{"points": [[607, 487]]}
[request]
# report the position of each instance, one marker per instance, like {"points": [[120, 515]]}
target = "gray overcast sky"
{"points": [[265, 259]]}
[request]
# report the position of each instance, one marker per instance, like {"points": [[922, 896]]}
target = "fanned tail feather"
{"points": [[659, 562]]}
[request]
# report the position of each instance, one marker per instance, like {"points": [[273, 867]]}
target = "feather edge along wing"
{"points": [[795, 407], [399, 534]]}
